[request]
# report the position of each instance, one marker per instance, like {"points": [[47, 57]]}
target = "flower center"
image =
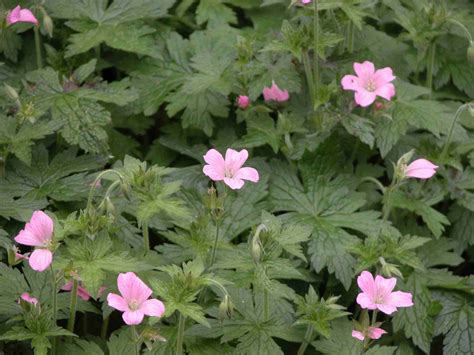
{"points": [[228, 173], [133, 305], [370, 86]]}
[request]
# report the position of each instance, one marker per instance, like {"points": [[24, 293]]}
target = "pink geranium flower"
{"points": [[21, 15], [421, 169], [274, 93], [372, 333], [25, 296], [38, 232], [377, 294], [369, 83], [243, 101], [229, 169], [134, 300]]}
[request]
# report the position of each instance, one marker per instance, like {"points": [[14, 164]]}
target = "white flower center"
{"points": [[133, 305], [370, 86]]}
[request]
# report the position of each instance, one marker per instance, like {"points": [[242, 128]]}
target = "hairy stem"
{"points": [[214, 247], [146, 237], [180, 335], [73, 305], [430, 67], [309, 75], [39, 57], [307, 339], [451, 130], [266, 305]]}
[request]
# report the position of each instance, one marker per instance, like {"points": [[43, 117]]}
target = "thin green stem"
{"points": [[39, 57], [375, 181], [430, 67], [374, 317], [266, 305], [180, 335], [307, 339], [54, 306], [105, 327], [451, 130], [216, 239], [315, 48], [309, 75], [94, 183], [350, 37], [388, 203], [73, 305], [135, 338], [146, 237]]}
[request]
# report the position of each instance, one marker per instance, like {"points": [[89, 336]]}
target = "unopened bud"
{"points": [[11, 92], [126, 190], [256, 250], [470, 108], [109, 207], [226, 308], [48, 25], [470, 53]]}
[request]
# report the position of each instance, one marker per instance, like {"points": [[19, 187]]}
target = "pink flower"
{"points": [[19, 256], [421, 169], [306, 1], [377, 294], [38, 233], [28, 298], [134, 301], [81, 291], [230, 170], [372, 333], [19, 15], [243, 101], [368, 84], [274, 93]]}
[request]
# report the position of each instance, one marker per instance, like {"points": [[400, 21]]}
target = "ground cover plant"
{"points": [[236, 177]]}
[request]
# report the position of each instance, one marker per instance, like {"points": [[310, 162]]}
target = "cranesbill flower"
{"points": [[372, 333], [369, 83], [21, 15], [274, 93], [134, 300], [229, 169], [25, 296], [243, 101], [377, 294], [421, 169], [38, 232]]}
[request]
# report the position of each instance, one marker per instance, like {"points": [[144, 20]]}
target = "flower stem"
{"points": [[216, 239], [316, 45], [307, 339], [266, 305], [374, 317], [350, 37], [146, 237], [54, 306], [430, 67], [39, 58], [388, 203], [309, 75], [451, 130], [135, 337], [73, 305], [180, 335], [104, 328]]}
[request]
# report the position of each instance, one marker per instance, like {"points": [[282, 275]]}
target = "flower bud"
{"points": [[226, 308], [126, 190], [109, 207], [11, 92], [48, 25], [243, 102]]}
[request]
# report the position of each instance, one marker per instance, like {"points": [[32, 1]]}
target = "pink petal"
{"points": [[41, 226], [26, 238], [250, 174], [351, 82], [213, 173], [117, 302], [376, 333], [365, 301], [387, 91], [27, 16], [421, 168], [243, 101], [384, 286], [383, 76], [14, 15], [366, 283], [132, 288], [268, 94], [67, 286], [234, 160], [275, 93], [233, 183], [82, 293], [40, 259], [364, 98], [19, 256], [153, 307], [28, 298], [401, 299], [386, 308], [133, 317], [358, 335], [216, 165], [365, 70]]}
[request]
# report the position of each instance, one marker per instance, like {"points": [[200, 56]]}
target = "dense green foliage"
{"points": [[106, 131]]}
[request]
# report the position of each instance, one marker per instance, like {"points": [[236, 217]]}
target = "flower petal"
{"points": [[40, 259], [132, 288], [250, 174], [387, 91], [383, 76], [376, 333], [25, 296], [27, 16], [421, 168], [365, 70], [133, 317], [41, 226], [117, 302], [384, 286], [358, 335], [14, 15], [153, 307], [213, 172], [26, 238], [234, 160], [233, 183], [386, 308], [366, 283], [351, 82], [401, 299], [365, 301], [364, 98], [82, 293]]}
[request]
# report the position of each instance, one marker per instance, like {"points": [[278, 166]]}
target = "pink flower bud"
{"points": [[25, 296], [243, 101], [421, 169], [21, 15]]}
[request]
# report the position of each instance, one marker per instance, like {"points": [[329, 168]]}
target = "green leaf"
{"points": [[340, 340], [214, 12], [462, 231], [260, 131], [360, 127]]}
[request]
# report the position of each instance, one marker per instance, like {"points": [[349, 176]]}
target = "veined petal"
{"points": [[213, 157], [384, 286], [387, 91], [366, 283], [351, 82], [213, 172], [365, 70], [386, 308], [152, 307], [383, 76], [376, 333], [234, 183], [234, 160], [14, 15], [401, 299], [27, 16], [41, 226], [26, 238], [133, 317], [364, 98], [132, 288], [40, 259], [250, 174], [358, 335], [82, 293], [117, 302], [365, 301]]}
